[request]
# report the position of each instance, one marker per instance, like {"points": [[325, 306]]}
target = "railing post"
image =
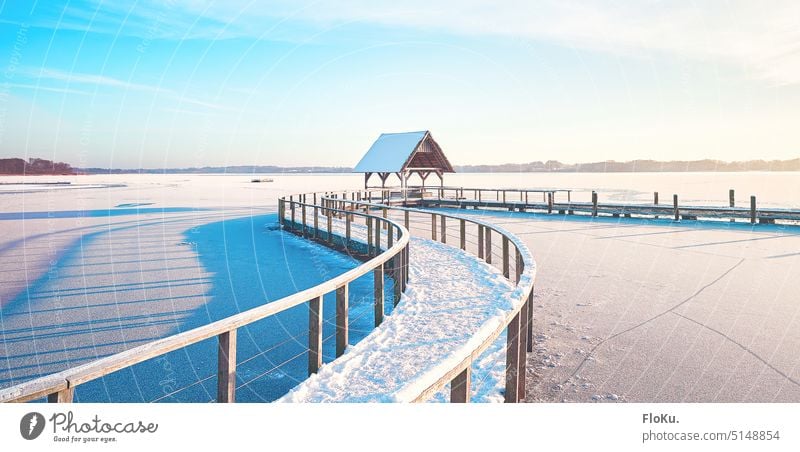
{"points": [[330, 227], [752, 210], [523, 350], [385, 215], [504, 196], [62, 396], [407, 266], [480, 241], [378, 279], [403, 269], [550, 202], [675, 209], [655, 198], [303, 216], [506, 265], [281, 211], [444, 229], [226, 367], [347, 229], [732, 201], [463, 231], [342, 319], [488, 251], [460, 386], [377, 236], [433, 227], [594, 203], [530, 321], [291, 207], [397, 272], [314, 335], [369, 236], [316, 222], [407, 222], [512, 361]]}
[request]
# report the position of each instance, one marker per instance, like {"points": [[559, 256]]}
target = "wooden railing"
{"points": [[60, 387], [302, 217], [514, 260], [545, 200]]}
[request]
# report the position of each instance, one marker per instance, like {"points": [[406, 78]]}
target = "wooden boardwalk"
{"points": [[525, 200]]}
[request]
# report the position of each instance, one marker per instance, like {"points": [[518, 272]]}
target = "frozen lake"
{"points": [[652, 311], [773, 189], [85, 273]]}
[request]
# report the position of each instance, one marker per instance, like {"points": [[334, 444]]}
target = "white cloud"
{"points": [[33, 87], [100, 80], [761, 37], [87, 79]]}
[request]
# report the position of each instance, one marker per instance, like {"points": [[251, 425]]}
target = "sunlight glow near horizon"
{"points": [[186, 83]]}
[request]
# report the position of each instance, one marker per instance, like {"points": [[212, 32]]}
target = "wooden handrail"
{"points": [[517, 323], [60, 386]]}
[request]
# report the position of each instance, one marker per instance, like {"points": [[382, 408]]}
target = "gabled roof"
{"points": [[392, 152]]}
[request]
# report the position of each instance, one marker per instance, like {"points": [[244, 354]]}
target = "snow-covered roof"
{"points": [[390, 152]]}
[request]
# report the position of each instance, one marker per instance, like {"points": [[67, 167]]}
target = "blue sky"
{"points": [[180, 83]]}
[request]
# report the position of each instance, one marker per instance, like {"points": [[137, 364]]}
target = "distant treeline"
{"points": [[42, 166], [636, 166], [34, 166], [246, 169]]}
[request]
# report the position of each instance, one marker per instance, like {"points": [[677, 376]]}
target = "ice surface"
{"points": [[83, 277], [656, 311], [644, 310]]}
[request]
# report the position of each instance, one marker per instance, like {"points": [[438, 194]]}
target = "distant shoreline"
{"points": [[40, 167], [324, 172], [551, 166]]}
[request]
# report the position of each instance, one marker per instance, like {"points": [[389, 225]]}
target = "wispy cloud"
{"points": [[87, 79], [761, 37], [71, 78], [32, 87], [186, 111]]}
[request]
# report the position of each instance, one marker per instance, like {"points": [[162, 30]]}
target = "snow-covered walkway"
{"points": [[452, 303]]}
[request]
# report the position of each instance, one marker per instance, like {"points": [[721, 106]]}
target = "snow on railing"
{"points": [[60, 386], [526, 199], [519, 320]]}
